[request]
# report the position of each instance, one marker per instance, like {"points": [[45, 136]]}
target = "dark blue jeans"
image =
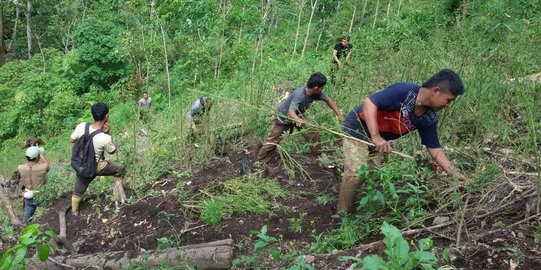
{"points": [[29, 209]]}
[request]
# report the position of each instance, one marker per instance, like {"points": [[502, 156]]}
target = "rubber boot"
{"points": [[348, 190], [75, 200]]}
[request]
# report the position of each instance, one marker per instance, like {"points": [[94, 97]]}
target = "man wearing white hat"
{"points": [[31, 175]]}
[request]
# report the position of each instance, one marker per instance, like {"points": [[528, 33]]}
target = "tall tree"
{"points": [[313, 3], [2, 48], [353, 16], [300, 5], [265, 10], [28, 27], [363, 12], [15, 25], [399, 6], [224, 7], [166, 66], [376, 14]]}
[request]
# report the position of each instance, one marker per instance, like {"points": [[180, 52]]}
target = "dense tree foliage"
{"points": [[113, 50]]}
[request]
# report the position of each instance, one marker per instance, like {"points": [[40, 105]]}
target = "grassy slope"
{"points": [[496, 42]]}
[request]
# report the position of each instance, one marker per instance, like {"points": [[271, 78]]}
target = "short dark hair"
{"points": [[346, 37], [99, 111], [447, 80], [145, 92], [316, 80]]}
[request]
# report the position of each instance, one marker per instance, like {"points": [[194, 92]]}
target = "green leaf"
{"points": [[446, 255], [392, 189], [31, 229], [27, 241], [275, 253], [259, 244], [43, 252], [425, 257], [364, 201], [425, 244], [374, 262], [51, 234], [19, 255], [7, 259]]}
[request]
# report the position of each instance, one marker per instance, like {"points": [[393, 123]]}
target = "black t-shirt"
{"points": [[342, 50]]}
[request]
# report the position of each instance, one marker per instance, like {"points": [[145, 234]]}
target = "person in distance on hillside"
{"points": [[197, 112], [340, 55], [342, 49], [290, 116], [103, 143], [145, 104], [389, 114], [31, 175]]}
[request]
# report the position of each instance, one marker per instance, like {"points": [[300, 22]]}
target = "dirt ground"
{"points": [[140, 224]]}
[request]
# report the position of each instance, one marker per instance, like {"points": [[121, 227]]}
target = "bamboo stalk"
{"points": [[359, 140]]}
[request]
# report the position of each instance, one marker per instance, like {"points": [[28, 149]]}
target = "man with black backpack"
{"points": [[91, 141]]}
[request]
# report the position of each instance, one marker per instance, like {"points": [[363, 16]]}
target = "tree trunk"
{"points": [[322, 24], [299, 16], [240, 29], [259, 44], [224, 10], [14, 33], [153, 17], [313, 3], [376, 15], [212, 255], [2, 48], [166, 67], [28, 27], [399, 6], [353, 16], [38, 40], [388, 8], [465, 5], [363, 12]]}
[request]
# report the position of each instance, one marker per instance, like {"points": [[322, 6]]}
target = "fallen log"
{"points": [[9, 209], [62, 236], [211, 255]]}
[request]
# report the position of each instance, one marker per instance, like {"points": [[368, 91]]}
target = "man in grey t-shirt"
{"points": [[290, 113], [144, 104]]}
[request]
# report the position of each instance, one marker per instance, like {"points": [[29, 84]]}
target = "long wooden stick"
{"points": [[358, 140]]}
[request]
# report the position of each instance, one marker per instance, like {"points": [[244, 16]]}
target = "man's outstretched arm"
{"points": [[337, 111], [442, 160]]}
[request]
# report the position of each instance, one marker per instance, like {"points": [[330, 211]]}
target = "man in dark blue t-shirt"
{"points": [[391, 113]]}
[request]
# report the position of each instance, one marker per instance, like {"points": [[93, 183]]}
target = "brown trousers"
{"points": [[355, 154], [275, 136]]}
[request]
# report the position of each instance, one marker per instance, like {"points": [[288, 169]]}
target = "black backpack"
{"points": [[83, 156]]}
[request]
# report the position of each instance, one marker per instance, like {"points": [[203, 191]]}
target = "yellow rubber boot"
{"points": [[75, 200]]}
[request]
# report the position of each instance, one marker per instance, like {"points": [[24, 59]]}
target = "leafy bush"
{"points": [[398, 253], [31, 237]]}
